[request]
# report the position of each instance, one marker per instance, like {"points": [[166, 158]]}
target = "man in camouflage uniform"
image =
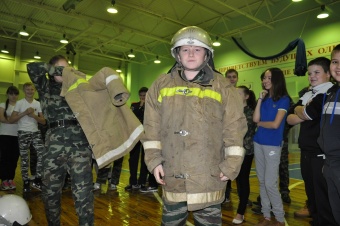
{"points": [[67, 146]]}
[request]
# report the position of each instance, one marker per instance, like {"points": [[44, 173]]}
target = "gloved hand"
{"points": [[55, 71]]}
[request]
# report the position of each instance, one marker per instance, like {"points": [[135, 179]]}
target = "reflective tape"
{"points": [[197, 198], [120, 150], [234, 150], [110, 78], [152, 145], [185, 91]]}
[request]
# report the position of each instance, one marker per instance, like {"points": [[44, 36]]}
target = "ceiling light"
{"points": [[131, 55], [296, 0], [36, 56], [4, 50], [216, 42], [157, 61], [324, 13], [64, 40], [23, 32], [112, 9], [118, 70]]}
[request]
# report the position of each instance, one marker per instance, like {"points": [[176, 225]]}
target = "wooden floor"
{"points": [[134, 208]]}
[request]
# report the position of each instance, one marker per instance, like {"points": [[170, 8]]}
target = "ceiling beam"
{"points": [[263, 23], [109, 24]]}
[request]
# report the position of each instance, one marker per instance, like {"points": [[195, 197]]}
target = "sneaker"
{"points": [[303, 212], [37, 184], [286, 198], [237, 221], [278, 223], [265, 222], [258, 201], [132, 187], [113, 187], [27, 187], [96, 186], [145, 189], [5, 185], [12, 184], [257, 210]]}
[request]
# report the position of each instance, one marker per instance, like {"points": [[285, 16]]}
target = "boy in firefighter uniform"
{"points": [[194, 128]]}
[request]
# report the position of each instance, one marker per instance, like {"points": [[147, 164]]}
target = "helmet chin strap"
{"points": [[195, 69]]}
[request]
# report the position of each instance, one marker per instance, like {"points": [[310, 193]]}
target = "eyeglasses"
{"points": [[16, 94]]}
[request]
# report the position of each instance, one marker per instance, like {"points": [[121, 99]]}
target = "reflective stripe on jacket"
{"points": [[196, 132]]}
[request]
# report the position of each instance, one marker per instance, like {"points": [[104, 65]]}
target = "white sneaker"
{"points": [[237, 221], [96, 186]]}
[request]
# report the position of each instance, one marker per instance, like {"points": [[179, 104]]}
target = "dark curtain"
{"points": [[300, 61]]}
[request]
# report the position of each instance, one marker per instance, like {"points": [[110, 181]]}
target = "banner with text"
{"points": [[311, 53]]}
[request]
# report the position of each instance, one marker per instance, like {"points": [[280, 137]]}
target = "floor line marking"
{"points": [[159, 199], [295, 184]]}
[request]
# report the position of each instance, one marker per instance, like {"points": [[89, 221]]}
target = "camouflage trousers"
{"points": [[177, 214], [25, 139], [67, 151], [283, 169]]}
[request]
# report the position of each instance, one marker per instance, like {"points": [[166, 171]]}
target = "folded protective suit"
{"points": [[110, 126]]}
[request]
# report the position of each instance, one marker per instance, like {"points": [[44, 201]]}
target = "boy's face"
{"points": [[29, 91], [317, 75], [335, 66], [233, 78], [142, 96], [192, 56]]}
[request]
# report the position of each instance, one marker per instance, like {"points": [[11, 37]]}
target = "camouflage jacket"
{"points": [[54, 106], [248, 143]]}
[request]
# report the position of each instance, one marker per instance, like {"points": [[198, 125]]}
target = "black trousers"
{"points": [[316, 190], [9, 155], [283, 169], [331, 172], [145, 172], [136, 157], [242, 182]]}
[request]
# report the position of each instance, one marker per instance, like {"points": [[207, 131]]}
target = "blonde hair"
{"points": [[27, 84]]}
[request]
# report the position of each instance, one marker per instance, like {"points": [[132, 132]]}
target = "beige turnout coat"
{"points": [[99, 106], [196, 132]]}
